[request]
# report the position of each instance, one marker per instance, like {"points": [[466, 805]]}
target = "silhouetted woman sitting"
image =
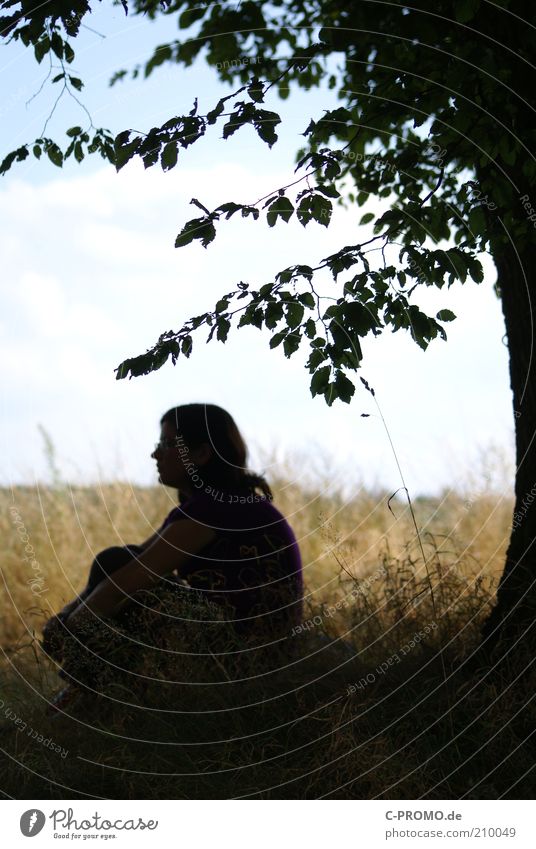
{"points": [[224, 540]]}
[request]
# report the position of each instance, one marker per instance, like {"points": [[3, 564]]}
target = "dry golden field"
{"points": [[393, 714], [51, 535]]}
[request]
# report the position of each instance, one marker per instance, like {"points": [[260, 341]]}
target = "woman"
{"points": [[224, 540]]}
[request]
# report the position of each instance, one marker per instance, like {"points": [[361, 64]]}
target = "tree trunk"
{"points": [[516, 598]]}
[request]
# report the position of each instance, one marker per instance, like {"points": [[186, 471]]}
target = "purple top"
{"points": [[254, 564]]}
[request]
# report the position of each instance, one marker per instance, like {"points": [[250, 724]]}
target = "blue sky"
{"points": [[90, 276]]}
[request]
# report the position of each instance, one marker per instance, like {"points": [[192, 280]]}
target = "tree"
{"points": [[436, 120]]}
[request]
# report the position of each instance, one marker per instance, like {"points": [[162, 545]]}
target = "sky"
{"points": [[90, 276]]}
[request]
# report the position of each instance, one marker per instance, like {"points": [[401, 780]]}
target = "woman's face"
{"points": [[177, 465]]}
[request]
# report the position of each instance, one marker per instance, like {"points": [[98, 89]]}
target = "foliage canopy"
{"points": [[436, 121]]}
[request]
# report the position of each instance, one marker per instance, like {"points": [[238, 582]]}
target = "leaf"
{"points": [[277, 338], [445, 315], [284, 276], [367, 218], [200, 206], [256, 90], [57, 45], [340, 337], [257, 317], [320, 380], [267, 133], [321, 209], [42, 47], [19, 154], [168, 158], [294, 315], [123, 151], [222, 305], [307, 299], [475, 269], [55, 155], [419, 327], [73, 131], [76, 83], [291, 343], [196, 228], [189, 16], [270, 200], [250, 210], [458, 264], [118, 75], [317, 356], [215, 113], [229, 208], [282, 208], [358, 317], [185, 236], [223, 326], [331, 123], [304, 212], [344, 387], [161, 54], [310, 328], [353, 358], [304, 271], [198, 320], [68, 52], [244, 114], [477, 222], [274, 313], [207, 233], [186, 346], [329, 190], [265, 123]]}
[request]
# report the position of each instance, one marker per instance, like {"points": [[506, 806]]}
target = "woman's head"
{"points": [[201, 449]]}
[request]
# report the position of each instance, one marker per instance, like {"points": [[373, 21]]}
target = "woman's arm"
{"points": [[172, 549], [66, 611], [149, 542]]}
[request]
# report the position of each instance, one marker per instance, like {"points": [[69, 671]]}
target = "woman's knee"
{"points": [[110, 559], [118, 553]]}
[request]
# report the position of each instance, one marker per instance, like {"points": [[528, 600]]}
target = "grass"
{"points": [[395, 711]]}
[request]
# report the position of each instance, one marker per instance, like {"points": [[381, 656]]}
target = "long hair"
{"points": [[227, 468]]}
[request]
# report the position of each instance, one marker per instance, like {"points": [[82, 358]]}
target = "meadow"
{"points": [[378, 698]]}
